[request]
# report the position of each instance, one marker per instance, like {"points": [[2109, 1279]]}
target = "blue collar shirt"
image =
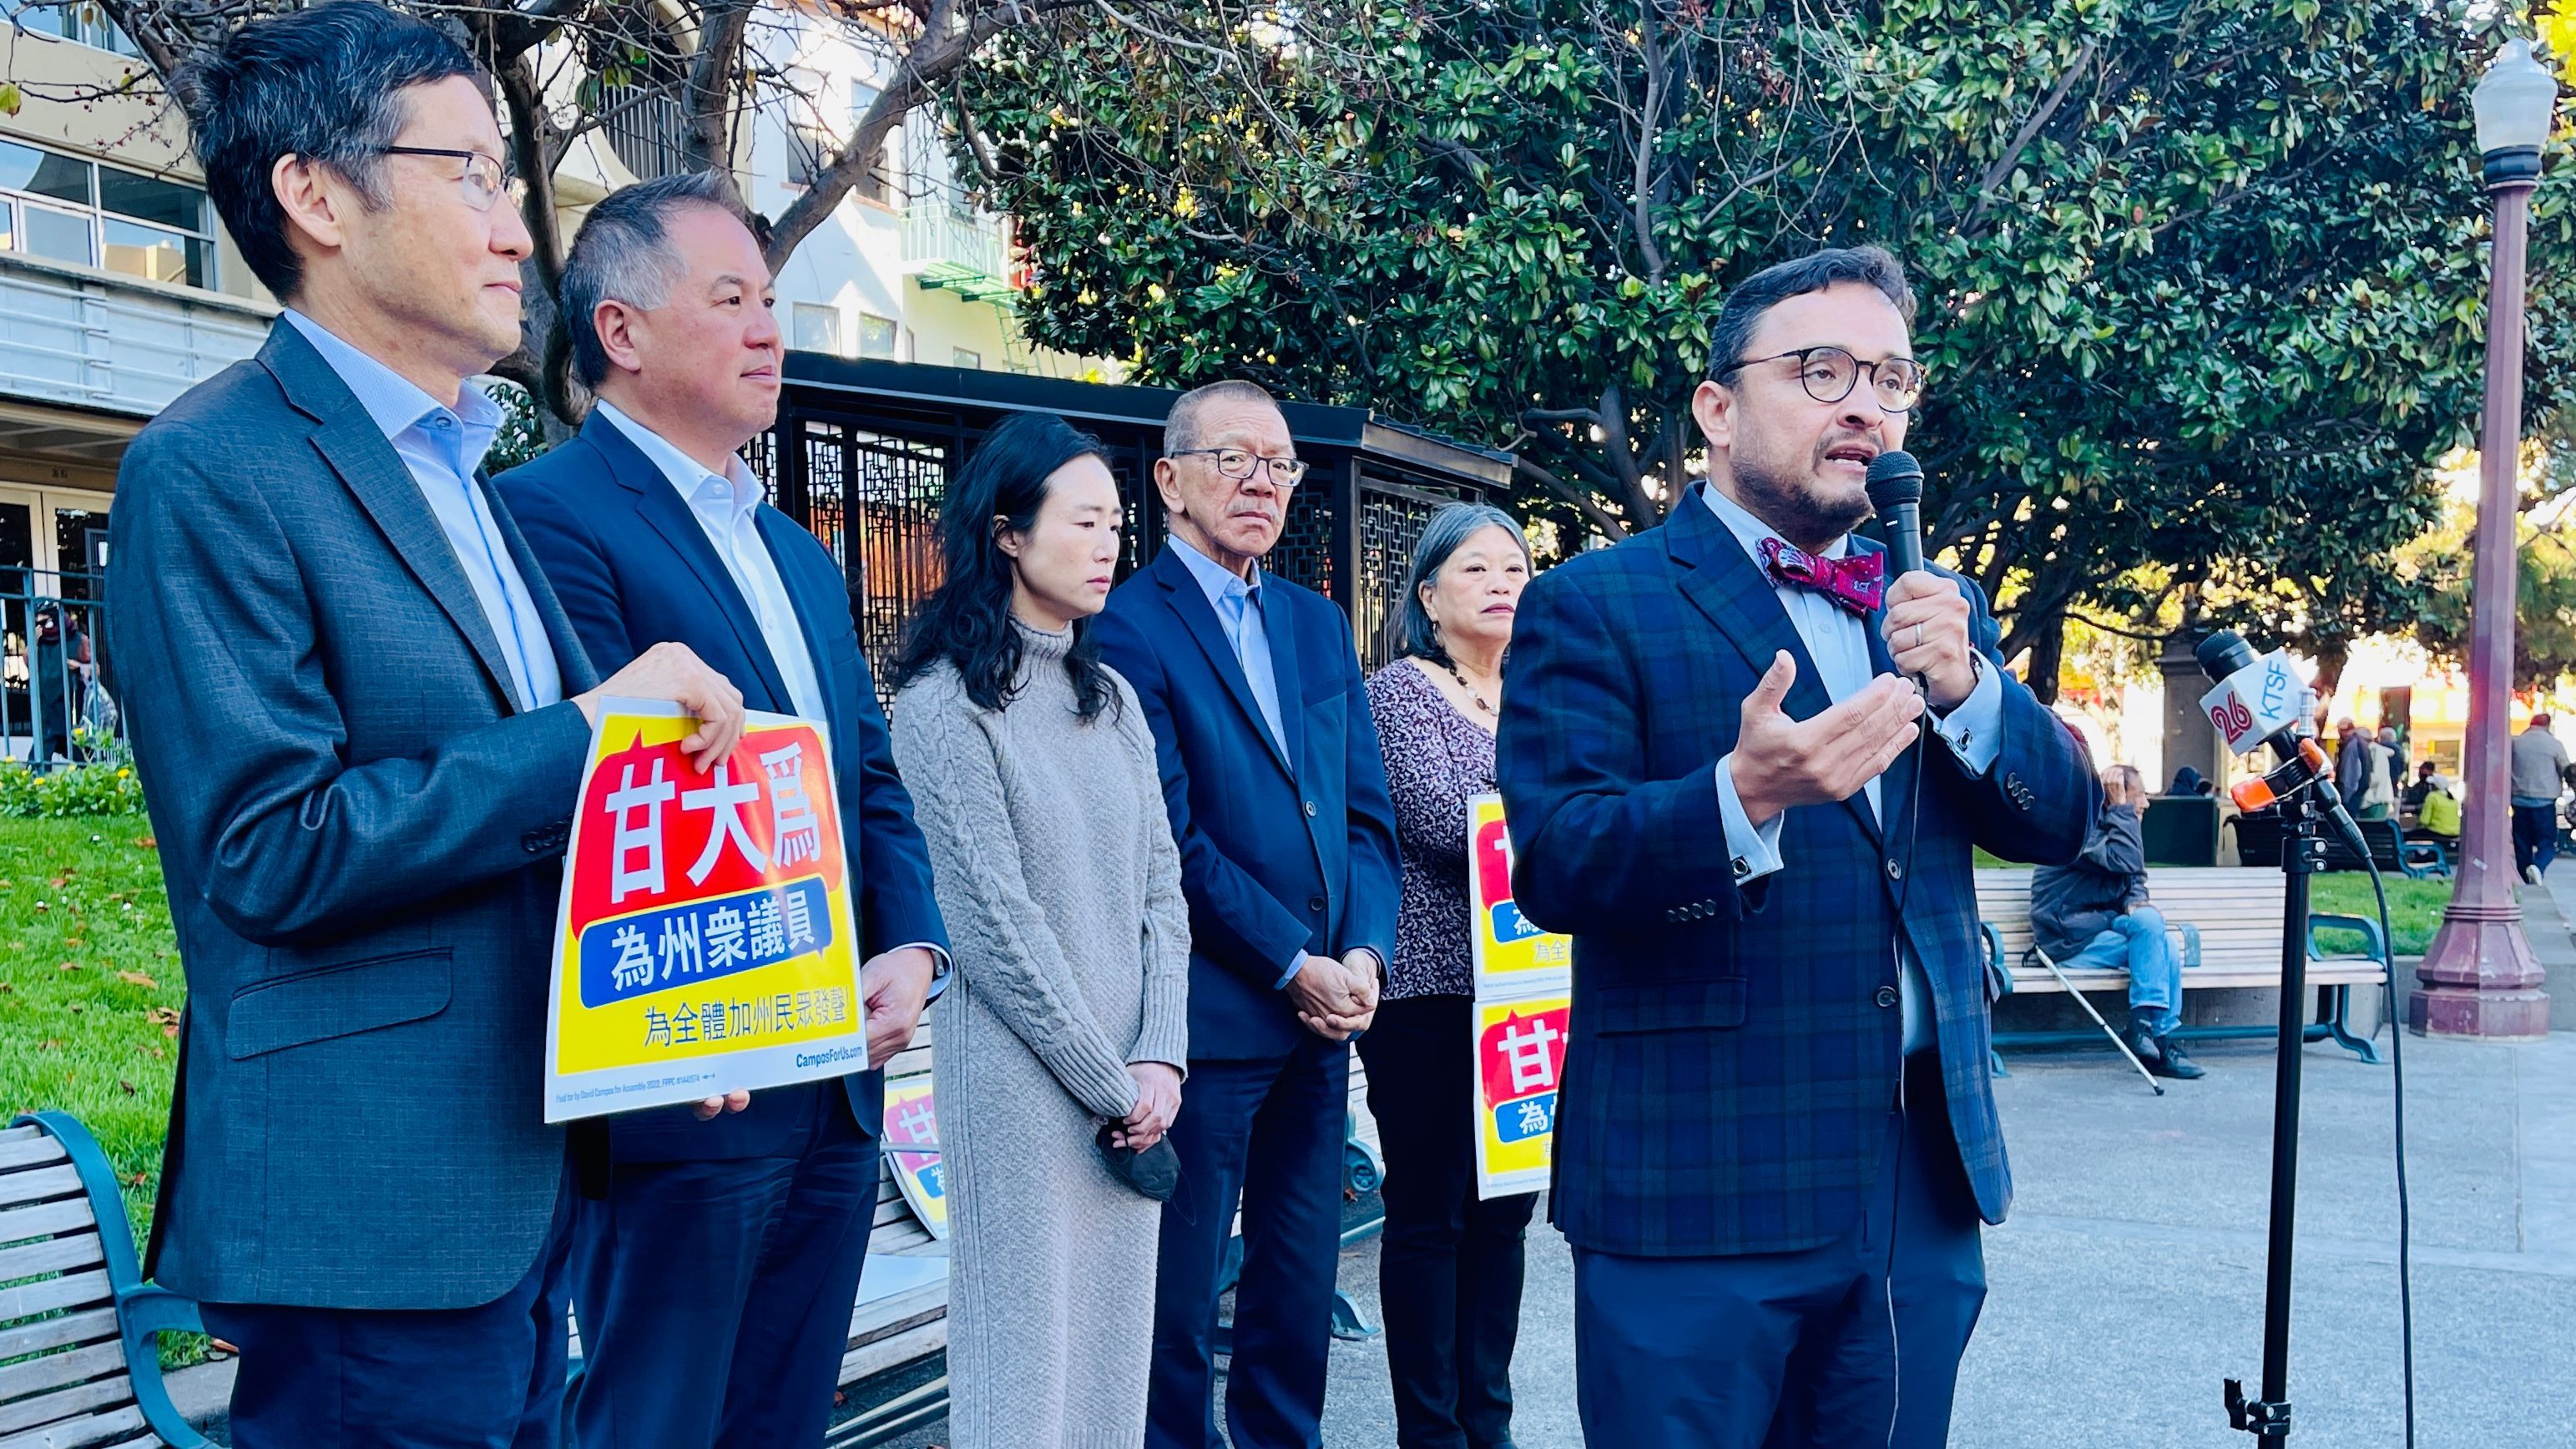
{"points": [[1239, 613], [442, 448]]}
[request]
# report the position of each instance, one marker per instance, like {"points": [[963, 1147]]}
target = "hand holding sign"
{"points": [[674, 672]]}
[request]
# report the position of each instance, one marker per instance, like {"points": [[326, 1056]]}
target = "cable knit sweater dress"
{"points": [[1062, 892]]}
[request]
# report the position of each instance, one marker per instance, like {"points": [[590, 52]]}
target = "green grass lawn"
{"points": [[89, 986]]}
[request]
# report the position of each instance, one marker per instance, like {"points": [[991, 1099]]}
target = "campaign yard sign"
{"points": [[704, 942], [1520, 1057], [912, 1120], [1510, 954]]}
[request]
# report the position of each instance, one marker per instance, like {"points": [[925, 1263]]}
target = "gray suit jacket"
{"points": [[362, 838]]}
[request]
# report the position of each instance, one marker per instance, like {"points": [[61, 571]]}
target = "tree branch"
{"points": [[1998, 173]]}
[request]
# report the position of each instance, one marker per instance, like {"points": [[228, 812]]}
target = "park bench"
{"points": [[80, 1362], [2234, 940], [2258, 843]]}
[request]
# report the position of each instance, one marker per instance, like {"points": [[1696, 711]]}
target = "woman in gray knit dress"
{"points": [[1033, 775]]}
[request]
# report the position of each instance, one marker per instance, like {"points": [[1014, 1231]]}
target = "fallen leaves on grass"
{"points": [[126, 1086], [68, 966], [164, 1017], [137, 978], [146, 842]]}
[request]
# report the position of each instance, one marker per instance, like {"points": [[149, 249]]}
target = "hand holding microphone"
{"points": [[1926, 623]]}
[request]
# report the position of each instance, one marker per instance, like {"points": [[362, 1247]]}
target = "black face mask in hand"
{"points": [[1155, 1172]]}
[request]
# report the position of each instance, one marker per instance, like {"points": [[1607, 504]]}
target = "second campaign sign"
{"points": [[705, 941]]}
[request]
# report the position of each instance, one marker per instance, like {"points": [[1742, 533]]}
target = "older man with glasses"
{"points": [[360, 717], [1279, 804]]}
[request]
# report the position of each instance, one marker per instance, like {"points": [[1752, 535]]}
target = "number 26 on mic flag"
{"points": [[704, 941]]}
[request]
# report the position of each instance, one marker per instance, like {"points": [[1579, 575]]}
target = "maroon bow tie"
{"points": [[1856, 581]]}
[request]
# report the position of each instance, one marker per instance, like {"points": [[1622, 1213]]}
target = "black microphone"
{"points": [[1896, 491]]}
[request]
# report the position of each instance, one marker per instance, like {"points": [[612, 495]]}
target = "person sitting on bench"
{"points": [[2092, 914]]}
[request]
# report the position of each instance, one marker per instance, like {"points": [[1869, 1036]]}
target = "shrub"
{"points": [[106, 788]]}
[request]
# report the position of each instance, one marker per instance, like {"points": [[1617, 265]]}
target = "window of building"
{"points": [[92, 214], [964, 357], [83, 23], [876, 335], [818, 328]]}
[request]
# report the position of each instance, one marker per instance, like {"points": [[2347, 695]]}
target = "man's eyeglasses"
{"points": [[484, 179], [1829, 374], [1239, 465]]}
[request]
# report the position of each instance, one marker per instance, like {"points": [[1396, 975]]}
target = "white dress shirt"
{"points": [[443, 450], [1838, 641], [727, 506]]}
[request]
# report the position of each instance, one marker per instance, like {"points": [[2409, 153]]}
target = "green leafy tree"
{"points": [[2201, 280]]}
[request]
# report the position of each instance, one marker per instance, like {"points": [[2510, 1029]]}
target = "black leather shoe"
{"points": [[2170, 1062]]}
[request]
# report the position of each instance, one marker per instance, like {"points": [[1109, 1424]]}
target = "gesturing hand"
{"points": [[1927, 634], [1780, 762], [1158, 1101], [674, 672]]}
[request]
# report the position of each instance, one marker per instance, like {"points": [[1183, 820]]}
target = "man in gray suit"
{"points": [[360, 717]]}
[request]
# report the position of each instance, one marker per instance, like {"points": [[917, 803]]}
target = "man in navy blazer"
{"points": [[1777, 1135], [1287, 838], [361, 719], [715, 1279]]}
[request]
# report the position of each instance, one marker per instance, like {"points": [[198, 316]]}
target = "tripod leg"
{"points": [[2153, 1085]]}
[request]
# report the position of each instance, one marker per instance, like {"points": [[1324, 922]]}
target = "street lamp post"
{"points": [[2480, 978]]}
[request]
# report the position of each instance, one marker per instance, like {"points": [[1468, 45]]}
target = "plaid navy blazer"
{"points": [[1735, 1053]]}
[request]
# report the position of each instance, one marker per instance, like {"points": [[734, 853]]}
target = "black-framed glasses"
{"points": [[1829, 374], [484, 180], [1239, 465]]}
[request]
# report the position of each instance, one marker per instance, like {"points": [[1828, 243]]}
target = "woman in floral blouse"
{"points": [[1450, 1270]]}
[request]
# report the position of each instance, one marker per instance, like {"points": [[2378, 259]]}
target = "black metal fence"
{"points": [[53, 712], [863, 452]]}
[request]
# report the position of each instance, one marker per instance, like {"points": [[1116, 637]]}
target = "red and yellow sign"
{"points": [[1520, 1058], [1510, 954], [705, 940], [912, 1149], [1524, 980]]}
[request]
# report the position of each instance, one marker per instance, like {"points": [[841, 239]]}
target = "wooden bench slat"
{"points": [[86, 1326], [17, 1225], [28, 1147], [39, 1184], [63, 1386], [51, 1255], [86, 1433], [50, 1295]]}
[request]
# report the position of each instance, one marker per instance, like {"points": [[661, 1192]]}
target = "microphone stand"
{"points": [[2303, 854]]}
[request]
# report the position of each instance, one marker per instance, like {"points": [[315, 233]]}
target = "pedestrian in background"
{"points": [[1068, 1028], [2539, 773], [2092, 914], [1450, 1271]]}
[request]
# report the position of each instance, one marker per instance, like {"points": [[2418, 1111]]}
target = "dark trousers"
{"points": [[1853, 1343], [1267, 1133], [714, 1297], [487, 1377], [1449, 1270], [2535, 836]]}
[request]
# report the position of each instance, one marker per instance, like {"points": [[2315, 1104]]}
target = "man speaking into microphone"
{"points": [[1777, 1133]]}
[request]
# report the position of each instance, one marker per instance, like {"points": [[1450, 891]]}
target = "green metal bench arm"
{"points": [[144, 1311]]}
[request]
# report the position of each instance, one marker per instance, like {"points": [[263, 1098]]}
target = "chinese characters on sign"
{"points": [[704, 941], [1523, 978], [912, 1119]]}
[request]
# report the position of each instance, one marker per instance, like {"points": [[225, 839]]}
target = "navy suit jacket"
{"points": [[1735, 1052], [1279, 854], [362, 836], [634, 569]]}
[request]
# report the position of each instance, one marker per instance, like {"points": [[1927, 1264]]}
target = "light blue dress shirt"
{"points": [[1838, 641], [1247, 631], [443, 448]]}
